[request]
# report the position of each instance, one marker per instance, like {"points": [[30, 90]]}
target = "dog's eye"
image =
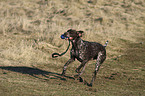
{"points": [[65, 34]]}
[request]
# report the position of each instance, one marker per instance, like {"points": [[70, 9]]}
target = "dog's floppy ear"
{"points": [[80, 33]]}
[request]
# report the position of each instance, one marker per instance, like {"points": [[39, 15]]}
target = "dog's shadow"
{"points": [[35, 72]]}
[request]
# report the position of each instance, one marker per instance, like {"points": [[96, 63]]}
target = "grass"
{"points": [[30, 32]]}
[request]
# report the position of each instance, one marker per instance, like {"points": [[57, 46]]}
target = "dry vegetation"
{"points": [[30, 32]]}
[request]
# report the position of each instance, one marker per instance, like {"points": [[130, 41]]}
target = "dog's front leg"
{"points": [[83, 64], [65, 66]]}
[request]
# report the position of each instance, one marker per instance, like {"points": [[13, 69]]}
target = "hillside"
{"points": [[30, 32]]}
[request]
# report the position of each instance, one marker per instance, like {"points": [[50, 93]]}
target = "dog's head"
{"points": [[72, 34]]}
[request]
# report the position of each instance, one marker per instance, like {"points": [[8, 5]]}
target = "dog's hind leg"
{"points": [[100, 60], [65, 66]]}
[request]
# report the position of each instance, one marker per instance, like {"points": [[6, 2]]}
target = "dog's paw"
{"points": [[90, 85], [80, 79], [77, 70], [76, 76], [62, 74]]}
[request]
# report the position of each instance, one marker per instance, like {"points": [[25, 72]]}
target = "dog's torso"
{"points": [[84, 50]]}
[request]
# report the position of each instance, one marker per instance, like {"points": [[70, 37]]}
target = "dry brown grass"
{"points": [[30, 29]]}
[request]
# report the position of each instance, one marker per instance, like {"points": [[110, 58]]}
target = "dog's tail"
{"points": [[106, 43]]}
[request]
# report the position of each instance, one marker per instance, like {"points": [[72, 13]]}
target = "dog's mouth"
{"points": [[64, 37]]}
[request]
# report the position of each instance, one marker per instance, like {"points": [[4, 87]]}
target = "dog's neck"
{"points": [[76, 42]]}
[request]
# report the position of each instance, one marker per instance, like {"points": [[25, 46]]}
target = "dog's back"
{"points": [[86, 50]]}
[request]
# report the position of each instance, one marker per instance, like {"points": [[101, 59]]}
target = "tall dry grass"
{"points": [[30, 29]]}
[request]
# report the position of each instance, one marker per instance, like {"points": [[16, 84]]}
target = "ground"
{"points": [[30, 32]]}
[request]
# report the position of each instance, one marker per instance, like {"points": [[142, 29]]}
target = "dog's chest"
{"points": [[79, 50]]}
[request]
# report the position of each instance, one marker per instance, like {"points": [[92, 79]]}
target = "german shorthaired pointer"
{"points": [[84, 51]]}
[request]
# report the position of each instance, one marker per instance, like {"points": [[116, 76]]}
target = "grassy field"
{"points": [[30, 32]]}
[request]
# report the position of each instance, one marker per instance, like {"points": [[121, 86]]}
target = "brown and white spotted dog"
{"points": [[84, 51]]}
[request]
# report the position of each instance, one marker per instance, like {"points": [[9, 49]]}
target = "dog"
{"points": [[84, 51]]}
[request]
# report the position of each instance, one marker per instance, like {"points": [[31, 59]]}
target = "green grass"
{"points": [[30, 32]]}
